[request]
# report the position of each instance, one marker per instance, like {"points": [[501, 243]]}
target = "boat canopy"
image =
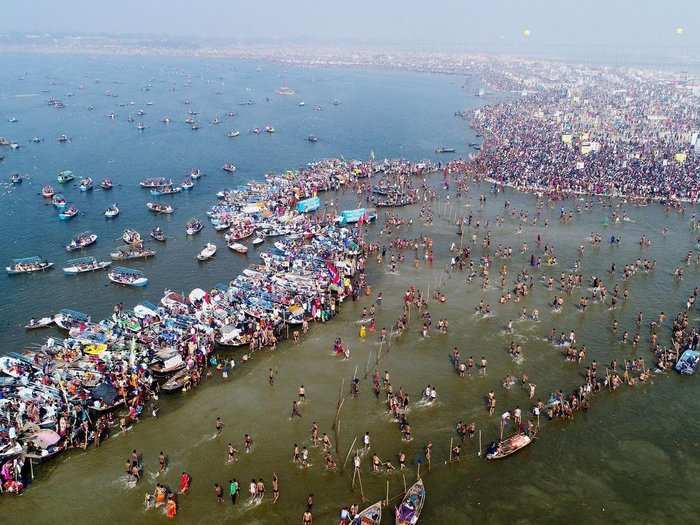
{"points": [[308, 205], [128, 271], [352, 216], [80, 260], [74, 314], [29, 260]]}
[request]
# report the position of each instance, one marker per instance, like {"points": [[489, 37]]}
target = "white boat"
{"points": [[33, 324], [127, 276], [233, 133], [156, 207], [207, 252], [258, 240], [238, 247], [28, 265], [83, 265], [112, 211]]}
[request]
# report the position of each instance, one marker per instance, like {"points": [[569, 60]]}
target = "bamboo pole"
{"points": [[362, 492], [404, 483], [387, 493], [349, 451], [450, 450], [479, 453]]}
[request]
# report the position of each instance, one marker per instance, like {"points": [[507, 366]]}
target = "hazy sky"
{"points": [[617, 23]]}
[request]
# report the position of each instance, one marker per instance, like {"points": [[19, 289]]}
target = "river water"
{"points": [[632, 457]]}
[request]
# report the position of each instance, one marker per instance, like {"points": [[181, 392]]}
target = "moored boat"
{"points": [[207, 252], [43, 322], [83, 265], [688, 362], [259, 239], [127, 276], [238, 247], [81, 240], [67, 319], [28, 265], [372, 515], [508, 446], [409, 511]]}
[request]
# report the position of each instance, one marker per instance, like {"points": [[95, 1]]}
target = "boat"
{"points": [[230, 168], [301, 104], [207, 252], [28, 265], [63, 138], [308, 205], [156, 207], [68, 213], [130, 236], [508, 446], [47, 191], [688, 362], [165, 190], [193, 226], [36, 140], [372, 515], [194, 127], [43, 322], [112, 211], [238, 247], [258, 240], [140, 126], [233, 133], [155, 182], [409, 511], [65, 176], [58, 201], [81, 240], [195, 174], [187, 184], [256, 131], [127, 276], [124, 253], [158, 235], [176, 381], [15, 178], [83, 265], [86, 184], [312, 138], [106, 184], [443, 149], [67, 319], [269, 129]]}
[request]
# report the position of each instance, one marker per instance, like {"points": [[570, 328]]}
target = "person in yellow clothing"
{"points": [[363, 331]]}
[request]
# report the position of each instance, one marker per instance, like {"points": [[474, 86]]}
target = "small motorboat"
{"points": [[43, 322], [233, 133], [58, 201], [36, 140], [82, 240], [86, 184], [409, 511], [255, 131], [207, 252], [127, 276], [312, 138], [193, 226], [238, 247], [65, 176], [195, 174], [15, 178], [158, 235], [28, 265], [508, 446], [63, 138], [83, 265], [372, 515], [187, 184], [68, 213], [137, 251], [106, 184], [140, 126], [156, 182], [230, 168], [269, 129], [112, 211], [47, 191], [165, 120], [156, 207], [130, 236], [194, 127], [258, 240], [443, 149], [301, 104], [165, 190]]}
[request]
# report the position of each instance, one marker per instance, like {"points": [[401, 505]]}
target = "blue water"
{"points": [[395, 114]]}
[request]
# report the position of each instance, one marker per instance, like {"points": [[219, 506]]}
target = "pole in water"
{"points": [[479, 453], [349, 450], [362, 492], [387, 492]]}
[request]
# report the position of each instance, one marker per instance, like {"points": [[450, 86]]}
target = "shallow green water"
{"points": [[633, 457]]}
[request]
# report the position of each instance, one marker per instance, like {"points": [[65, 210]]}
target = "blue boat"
{"points": [[353, 216], [308, 205], [688, 362]]}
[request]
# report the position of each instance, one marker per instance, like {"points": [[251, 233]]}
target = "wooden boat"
{"points": [[312, 138], [43, 322], [58, 201], [28, 265], [258, 240], [155, 182], [67, 319], [187, 184], [82, 240], [127, 276], [238, 247], [230, 168], [68, 213], [508, 446], [233, 133], [175, 382], [86, 184], [124, 253], [269, 129], [156, 207], [63, 138], [131, 236], [443, 149], [688, 362], [65, 176], [193, 226], [106, 184], [165, 367], [15, 178], [409, 511], [165, 190], [47, 192], [112, 211], [158, 235], [195, 173], [83, 265], [372, 515], [207, 252]]}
